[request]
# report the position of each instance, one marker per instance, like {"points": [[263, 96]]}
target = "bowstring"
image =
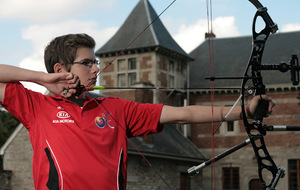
{"points": [[211, 69], [228, 113]]}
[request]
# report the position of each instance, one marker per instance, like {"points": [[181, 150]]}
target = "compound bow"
{"points": [[256, 130]]}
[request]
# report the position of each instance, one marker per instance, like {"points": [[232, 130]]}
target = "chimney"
{"points": [[209, 35]]}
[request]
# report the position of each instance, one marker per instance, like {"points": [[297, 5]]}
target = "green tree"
{"points": [[8, 124]]}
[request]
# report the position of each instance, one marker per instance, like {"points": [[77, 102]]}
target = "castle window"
{"points": [[294, 174], [121, 80], [132, 64], [230, 126], [122, 65], [131, 78], [127, 72], [171, 77], [231, 178], [171, 66]]}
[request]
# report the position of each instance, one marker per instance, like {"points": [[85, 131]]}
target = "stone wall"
{"points": [[142, 176], [18, 159]]}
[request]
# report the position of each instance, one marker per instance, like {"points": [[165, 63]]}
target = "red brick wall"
{"points": [[141, 96], [286, 112], [144, 64]]}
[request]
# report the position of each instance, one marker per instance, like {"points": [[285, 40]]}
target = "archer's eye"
{"points": [[86, 63]]}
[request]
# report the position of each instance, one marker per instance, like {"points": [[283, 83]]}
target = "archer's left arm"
{"points": [[203, 114]]}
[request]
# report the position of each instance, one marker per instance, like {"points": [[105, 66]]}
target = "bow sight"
{"points": [[292, 66]]}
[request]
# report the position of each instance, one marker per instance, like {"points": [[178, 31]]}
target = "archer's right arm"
{"points": [[54, 82]]}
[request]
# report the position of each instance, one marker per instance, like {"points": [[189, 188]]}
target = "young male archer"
{"points": [[79, 142]]}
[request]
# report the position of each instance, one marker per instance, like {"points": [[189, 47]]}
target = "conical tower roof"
{"points": [[156, 35]]}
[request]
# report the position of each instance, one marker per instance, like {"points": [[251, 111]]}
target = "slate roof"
{"points": [[231, 56], [154, 36], [170, 143]]}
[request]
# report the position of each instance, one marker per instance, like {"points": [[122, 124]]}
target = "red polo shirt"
{"points": [[80, 148]]}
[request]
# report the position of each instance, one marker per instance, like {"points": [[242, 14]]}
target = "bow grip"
{"points": [[261, 110]]}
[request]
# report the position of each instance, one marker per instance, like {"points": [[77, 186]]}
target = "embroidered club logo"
{"points": [[101, 122]]}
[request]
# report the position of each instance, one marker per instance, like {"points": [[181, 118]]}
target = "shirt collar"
{"points": [[58, 97]]}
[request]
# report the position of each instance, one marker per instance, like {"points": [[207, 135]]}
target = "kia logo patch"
{"points": [[63, 115]]}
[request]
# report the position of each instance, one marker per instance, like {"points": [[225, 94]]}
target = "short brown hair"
{"points": [[63, 50]]}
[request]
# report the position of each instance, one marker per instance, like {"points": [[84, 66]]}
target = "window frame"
{"points": [[128, 68], [234, 182]]}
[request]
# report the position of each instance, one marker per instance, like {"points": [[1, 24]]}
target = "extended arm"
{"points": [[203, 114]]}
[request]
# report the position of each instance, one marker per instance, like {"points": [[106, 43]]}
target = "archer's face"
{"points": [[87, 73]]}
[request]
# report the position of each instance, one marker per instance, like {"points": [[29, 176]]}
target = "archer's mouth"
{"points": [[94, 78], [92, 81]]}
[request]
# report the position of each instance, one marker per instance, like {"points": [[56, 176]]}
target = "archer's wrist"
{"points": [[249, 115]]}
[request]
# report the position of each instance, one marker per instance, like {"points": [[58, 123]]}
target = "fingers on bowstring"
{"points": [[68, 92], [69, 76], [65, 92], [73, 81], [71, 88]]}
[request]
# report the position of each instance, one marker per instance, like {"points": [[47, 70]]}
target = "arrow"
{"points": [[153, 88]]}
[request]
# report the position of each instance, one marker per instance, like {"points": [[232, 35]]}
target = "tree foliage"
{"points": [[8, 124]]}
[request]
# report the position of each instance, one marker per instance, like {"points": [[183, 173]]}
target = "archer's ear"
{"points": [[59, 68]]}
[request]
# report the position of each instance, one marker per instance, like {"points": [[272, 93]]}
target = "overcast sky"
{"points": [[28, 25]]}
